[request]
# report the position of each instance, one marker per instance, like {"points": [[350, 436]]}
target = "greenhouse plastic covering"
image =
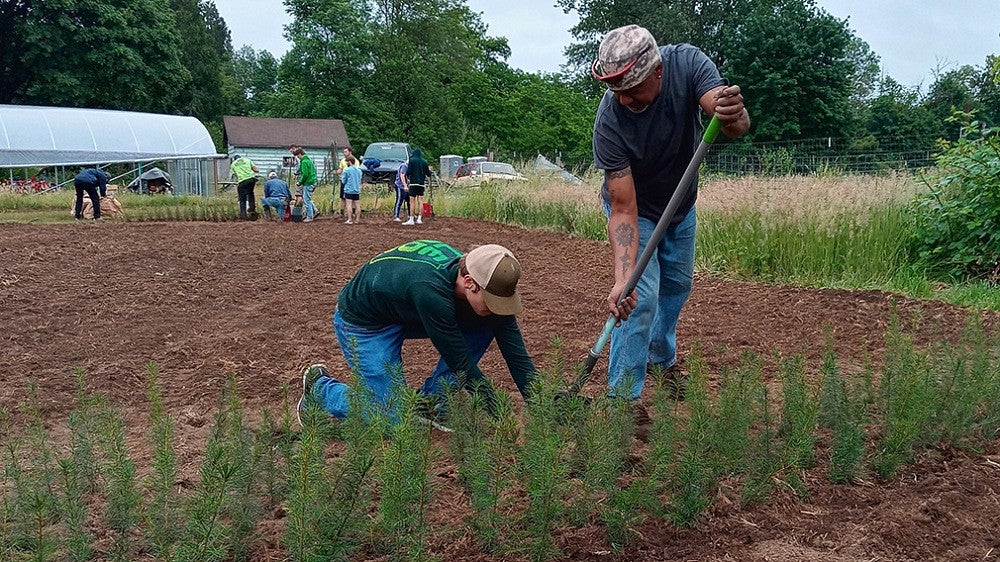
{"points": [[59, 136]]}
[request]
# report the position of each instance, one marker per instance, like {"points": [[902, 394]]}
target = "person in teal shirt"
{"points": [[351, 178], [246, 177], [306, 183], [425, 289]]}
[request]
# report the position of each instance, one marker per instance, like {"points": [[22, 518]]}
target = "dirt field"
{"points": [[255, 300]]}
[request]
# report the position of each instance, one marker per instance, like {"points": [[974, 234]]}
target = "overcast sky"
{"points": [[912, 37]]}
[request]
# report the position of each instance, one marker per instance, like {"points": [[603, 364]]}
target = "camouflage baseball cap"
{"points": [[626, 57]]}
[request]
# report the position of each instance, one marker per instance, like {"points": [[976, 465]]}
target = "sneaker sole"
{"points": [[299, 408], [302, 404]]}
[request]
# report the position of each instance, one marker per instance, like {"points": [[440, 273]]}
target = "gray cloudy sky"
{"points": [[912, 37]]}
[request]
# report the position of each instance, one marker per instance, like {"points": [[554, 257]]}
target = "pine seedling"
{"points": [[363, 431], [963, 384], [331, 501], [73, 510], [503, 448], [405, 486], [847, 450], [308, 489], [161, 515], [986, 364], [9, 515], [624, 511], [842, 407], [216, 525], [908, 395], [8, 455], [83, 430], [765, 460], [483, 447], [242, 506], [544, 465], [467, 443], [78, 471], [267, 445], [124, 501], [730, 430], [603, 441], [799, 413], [694, 477], [288, 437], [833, 392], [34, 482]]}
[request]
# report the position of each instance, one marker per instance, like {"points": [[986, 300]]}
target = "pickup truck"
{"points": [[391, 155]]}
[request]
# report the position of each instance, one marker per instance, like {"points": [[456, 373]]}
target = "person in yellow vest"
{"points": [[246, 177]]}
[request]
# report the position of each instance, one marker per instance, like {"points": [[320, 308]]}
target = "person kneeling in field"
{"points": [[424, 289]]}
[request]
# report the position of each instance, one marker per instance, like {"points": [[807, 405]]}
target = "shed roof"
{"points": [[66, 136], [272, 132]]}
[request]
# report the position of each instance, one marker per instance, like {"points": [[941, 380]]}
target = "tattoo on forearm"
{"points": [[625, 235], [618, 174]]}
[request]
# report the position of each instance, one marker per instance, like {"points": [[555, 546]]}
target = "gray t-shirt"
{"points": [[659, 142]]}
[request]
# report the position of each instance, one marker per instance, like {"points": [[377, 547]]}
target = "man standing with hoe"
{"points": [[646, 130]]}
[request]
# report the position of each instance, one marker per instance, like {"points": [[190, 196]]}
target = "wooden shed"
{"points": [[265, 140]]}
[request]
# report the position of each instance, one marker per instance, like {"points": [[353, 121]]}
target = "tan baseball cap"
{"points": [[626, 57], [497, 271]]}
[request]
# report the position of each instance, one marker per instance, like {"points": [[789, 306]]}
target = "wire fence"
{"points": [[809, 156], [864, 155]]}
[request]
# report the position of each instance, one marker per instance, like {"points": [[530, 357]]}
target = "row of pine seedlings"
{"points": [[366, 488]]}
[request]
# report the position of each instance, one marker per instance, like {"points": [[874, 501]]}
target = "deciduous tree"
{"points": [[116, 54]]}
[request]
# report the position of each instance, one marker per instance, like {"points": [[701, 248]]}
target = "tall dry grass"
{"points": [[808, 197]]}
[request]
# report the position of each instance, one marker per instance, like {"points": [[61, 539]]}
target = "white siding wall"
{"points": [[270, 159]]}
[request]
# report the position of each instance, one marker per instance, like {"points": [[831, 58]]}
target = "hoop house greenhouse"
{"points": [[63, 139]]}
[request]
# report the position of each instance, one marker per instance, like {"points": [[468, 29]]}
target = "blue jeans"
{"points": [[649, 336], [277, 202], [376, 357], [95, 199], [307, 200]]}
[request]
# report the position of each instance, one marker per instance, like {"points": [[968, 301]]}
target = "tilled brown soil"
{"points": [[255, 299]]}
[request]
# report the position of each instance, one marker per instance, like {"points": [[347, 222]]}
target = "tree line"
{"points": [[426, 72]]}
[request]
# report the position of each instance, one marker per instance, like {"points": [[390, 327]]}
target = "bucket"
{"points": [[428, 210], [296, 213]]}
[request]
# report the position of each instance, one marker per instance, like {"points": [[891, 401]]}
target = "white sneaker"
{"points": [[348, 221], [409, 222], [397, 219], [419, 221]]}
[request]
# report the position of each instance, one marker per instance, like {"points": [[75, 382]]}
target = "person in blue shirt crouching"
{"points": [[277, 195]]}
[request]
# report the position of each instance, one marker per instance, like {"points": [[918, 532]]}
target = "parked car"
{"points": [[477, 174], [390, 156]]}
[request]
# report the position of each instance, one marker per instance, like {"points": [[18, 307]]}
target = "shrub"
{"points": [[958, 220]]}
